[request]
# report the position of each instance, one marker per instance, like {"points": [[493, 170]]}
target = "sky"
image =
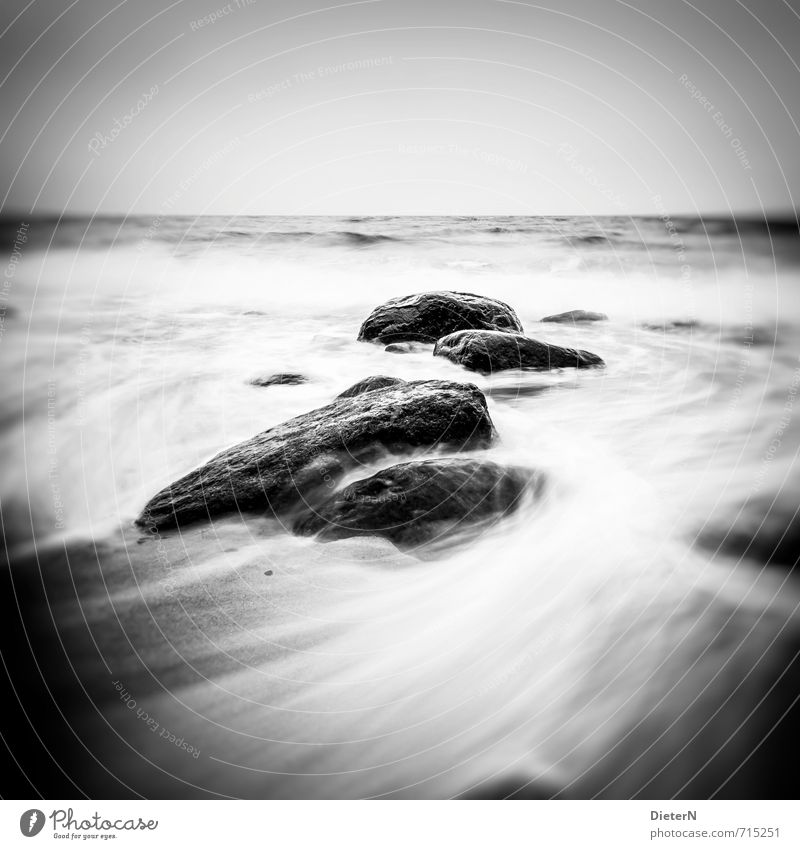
{"points": [[383, 107]]}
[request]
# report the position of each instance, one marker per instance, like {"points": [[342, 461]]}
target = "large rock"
{"points": [[420, 502], [298, 459], [486, 351], [368, 384], [575, 317], [430, 315]]}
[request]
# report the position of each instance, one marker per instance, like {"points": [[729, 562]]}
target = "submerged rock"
{"points": [[375, 381], [575, 317], [486, 351], [298, 459], [420, 502], [282, 379], [430, 315], [764, 532]]}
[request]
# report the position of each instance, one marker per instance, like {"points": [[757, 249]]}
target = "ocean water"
{"points": [[616, 638]]}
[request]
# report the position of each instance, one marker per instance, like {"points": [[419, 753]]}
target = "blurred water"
{"points": [[127, 353], [143, 334]]}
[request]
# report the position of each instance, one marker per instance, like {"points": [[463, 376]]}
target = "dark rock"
{"points": [[406, 347], [419, 502], [305, 456], [575, 317], [487, 351], [430, 315], [282, 379], [375, 381]]}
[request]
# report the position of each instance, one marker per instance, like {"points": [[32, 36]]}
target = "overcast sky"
{"points": [[400, 106]]}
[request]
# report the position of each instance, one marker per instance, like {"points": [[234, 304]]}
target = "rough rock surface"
{"points": [[430, 315], [375, 381], [486, 351], [294, 461], [281, 379], [419, 502], [575, 317]]}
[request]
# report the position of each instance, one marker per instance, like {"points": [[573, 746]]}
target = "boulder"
{"points": [[419, 502], [282, 379], [375, 381], [430, 315], [575, 317], [487, 351], [296, 460]]}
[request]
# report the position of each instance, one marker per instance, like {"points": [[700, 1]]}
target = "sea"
{"points": [[616, 638]]}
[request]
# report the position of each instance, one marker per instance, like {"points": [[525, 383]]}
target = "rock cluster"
{"points": [[294, 471]]}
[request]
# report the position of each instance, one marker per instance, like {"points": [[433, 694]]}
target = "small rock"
{"points": [[575, 317], [486, 351]]}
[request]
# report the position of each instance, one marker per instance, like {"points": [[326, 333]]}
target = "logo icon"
{"points": [[31, 822]]}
